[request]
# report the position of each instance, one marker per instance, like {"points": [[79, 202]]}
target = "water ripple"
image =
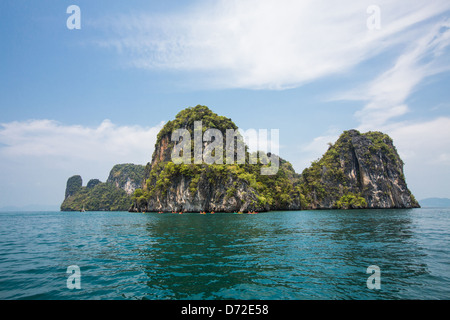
{"points": [[275, 255]]}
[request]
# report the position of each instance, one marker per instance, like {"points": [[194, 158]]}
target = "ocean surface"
{"points": [[274, 255]]}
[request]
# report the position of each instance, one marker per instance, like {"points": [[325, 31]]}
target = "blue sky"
{"points": [[80, 101]]}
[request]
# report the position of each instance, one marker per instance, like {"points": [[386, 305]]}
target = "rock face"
{"points": [[181, 195], [358, 171], [218, 188], [73, 185], [128, 177], [215, 187], [112, 195]]}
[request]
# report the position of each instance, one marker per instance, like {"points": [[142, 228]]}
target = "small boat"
{"points": [[83, 210]]}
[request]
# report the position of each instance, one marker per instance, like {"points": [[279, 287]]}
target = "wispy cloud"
{"points": [[386, 95], [51, 139], [42, 154], [265, 44], [422, 144], [425, 149]]}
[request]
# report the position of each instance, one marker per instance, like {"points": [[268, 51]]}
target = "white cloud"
{"points": [[424, 148], [43, 154], [423, 142], [265, 43], [48, 138], [387, 93]]}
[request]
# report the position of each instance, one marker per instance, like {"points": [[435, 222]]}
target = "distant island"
{"points": [[113, 195], [360, 170]]}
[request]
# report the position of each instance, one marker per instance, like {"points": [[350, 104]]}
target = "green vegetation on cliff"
{"points": [[351, 201], [101, 197], [213, 186], [112, 195], [187, 117], [73, 185], [358, 171], [277, 191], [120, 174], [92, 183]]}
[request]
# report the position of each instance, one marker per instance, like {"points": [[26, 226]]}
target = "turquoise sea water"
{"points": [[273, 255]]}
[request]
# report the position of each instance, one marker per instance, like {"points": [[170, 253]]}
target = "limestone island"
{"points": [[358, 171]]}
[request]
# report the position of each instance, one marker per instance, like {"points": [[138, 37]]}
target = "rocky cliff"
{"points": [[112, 195], [216, 187], [73, 185], [128, 177], [358, 171]]}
